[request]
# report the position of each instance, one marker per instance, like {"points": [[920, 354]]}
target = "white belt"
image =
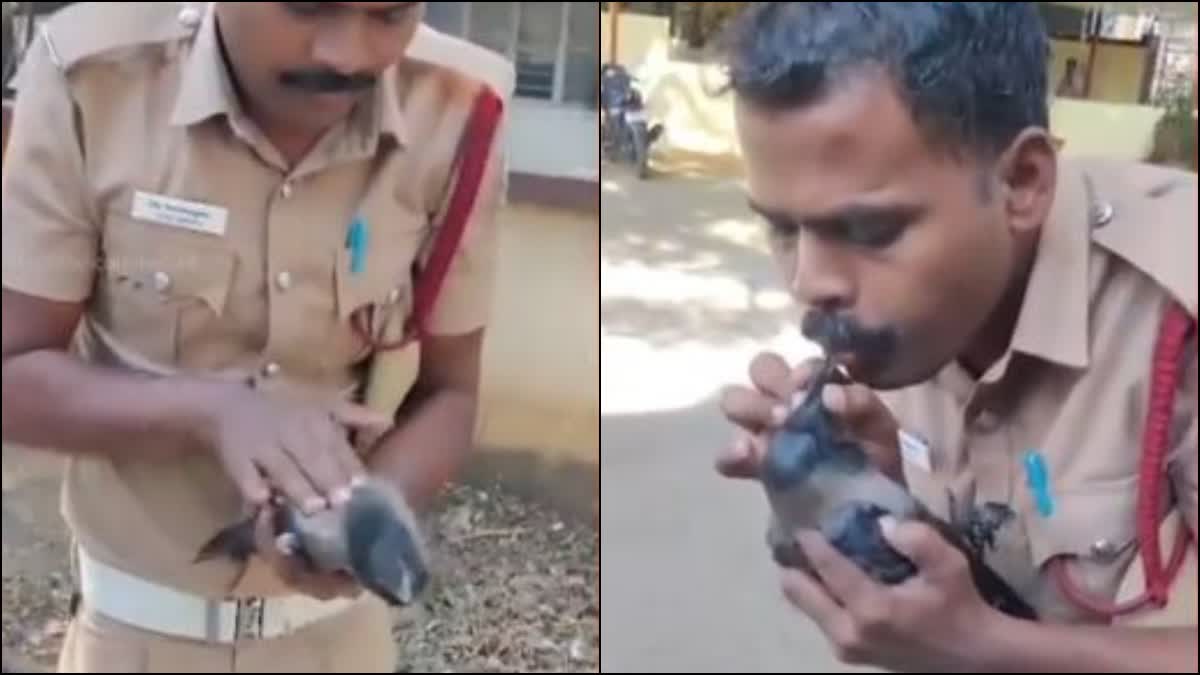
{"points": [[157, 608]]}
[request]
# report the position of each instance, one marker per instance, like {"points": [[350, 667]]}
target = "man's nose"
{"points": [[342, 46], [822, 276]]}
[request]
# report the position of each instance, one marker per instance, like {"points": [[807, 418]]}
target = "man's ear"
{"points": [[1028, 170]]}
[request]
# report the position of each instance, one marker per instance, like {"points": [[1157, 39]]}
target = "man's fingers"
{"points": [[741, 458], [851, 402], [313, 447], [845, 581], [803, 373], [933, 556], [249, 481], [352, 466], [264, 532], [806, 594], [292, 482], [751, 410], [361, 417], [772, 376]]}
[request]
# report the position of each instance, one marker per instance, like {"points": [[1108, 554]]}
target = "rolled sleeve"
{"points": [[465, 301], [49, 236]]}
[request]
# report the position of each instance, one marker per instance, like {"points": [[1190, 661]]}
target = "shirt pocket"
{"points": [[161, 289], [376, 300], [1090, 538]]}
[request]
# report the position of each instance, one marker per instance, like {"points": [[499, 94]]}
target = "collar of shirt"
{"points": [[206, 90], [1052, 325]]}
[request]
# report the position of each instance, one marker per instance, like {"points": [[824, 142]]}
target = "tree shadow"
{"points": [[685, 261]]}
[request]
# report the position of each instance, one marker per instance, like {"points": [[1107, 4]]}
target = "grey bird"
{"points": [[815, 478], [374, 537]]}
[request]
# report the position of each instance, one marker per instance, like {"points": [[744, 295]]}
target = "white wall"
{"points": [[554, 140]]}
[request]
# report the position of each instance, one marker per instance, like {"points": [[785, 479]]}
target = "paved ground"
{"points": [[688, 296]]}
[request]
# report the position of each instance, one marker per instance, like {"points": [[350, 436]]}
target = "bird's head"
{"points": [[385, 550]]}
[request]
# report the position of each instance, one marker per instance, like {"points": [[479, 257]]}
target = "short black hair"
{"points": [[972, 74]]}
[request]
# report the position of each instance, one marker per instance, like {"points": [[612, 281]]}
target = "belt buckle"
{"points": [[248, 618]]}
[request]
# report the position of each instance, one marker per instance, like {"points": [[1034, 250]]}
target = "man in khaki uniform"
{"points": [[199, 201], [1003, 307]]}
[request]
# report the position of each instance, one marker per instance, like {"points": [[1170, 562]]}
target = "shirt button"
{"points": [[1105, 550], [162, 281], [271, 369], [1101, 214], [189, 17], [283, 280], [286, 189]]}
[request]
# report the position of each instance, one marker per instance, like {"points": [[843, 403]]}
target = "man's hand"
{"points": [[934, 621], [277, 550], [777, 388], [303, 449]]}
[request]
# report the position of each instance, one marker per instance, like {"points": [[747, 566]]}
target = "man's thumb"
{"points": [[361, 417], [916, 541]]}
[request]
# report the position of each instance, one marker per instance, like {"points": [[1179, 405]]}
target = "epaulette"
{"points": [[86, 30], [465, 58], [1152, 225]]}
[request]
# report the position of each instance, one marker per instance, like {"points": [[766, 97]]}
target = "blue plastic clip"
{"points": [[1038, 478], [357, 242]]}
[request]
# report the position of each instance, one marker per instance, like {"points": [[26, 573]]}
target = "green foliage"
{"points": [[1175, 133]]}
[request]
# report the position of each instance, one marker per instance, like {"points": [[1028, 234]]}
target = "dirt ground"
{"points": [[516, 590]]}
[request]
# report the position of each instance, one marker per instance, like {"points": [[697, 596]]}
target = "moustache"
{"points": [[843, 334], [326, 81]]}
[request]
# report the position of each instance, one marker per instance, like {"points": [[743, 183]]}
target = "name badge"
{"points": [[180, 213], [915, 451]]}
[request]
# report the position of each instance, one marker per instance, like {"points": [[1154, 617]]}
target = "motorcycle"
{"points": [[627, 134]]}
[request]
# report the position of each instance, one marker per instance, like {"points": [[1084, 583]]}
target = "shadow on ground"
{"points": [[684, 260]]}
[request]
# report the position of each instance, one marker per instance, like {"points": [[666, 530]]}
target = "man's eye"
{"points": [[306, 9], [783, 228], [872, 233], [395, 14]]}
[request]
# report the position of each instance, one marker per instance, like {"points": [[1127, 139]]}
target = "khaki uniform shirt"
{"points": [[1074, 387], [126, 121]]}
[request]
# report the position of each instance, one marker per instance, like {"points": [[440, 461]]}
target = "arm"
{"points": [[50, 249], [53, 400], [436, 424]]}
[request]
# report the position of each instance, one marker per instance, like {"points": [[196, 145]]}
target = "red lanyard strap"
{"points": [[1173, 333], [473, 151]]}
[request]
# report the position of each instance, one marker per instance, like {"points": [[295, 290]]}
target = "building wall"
{"points": [[553, 131], [1117, 76], [640, 38], [552, 140]]}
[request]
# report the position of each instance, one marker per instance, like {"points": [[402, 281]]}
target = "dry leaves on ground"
{"points": [[517, 590]]}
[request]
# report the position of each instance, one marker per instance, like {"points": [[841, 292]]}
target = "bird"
{"points": [[374, 537], [817, 478]]}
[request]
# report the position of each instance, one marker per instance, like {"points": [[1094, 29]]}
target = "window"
{"points": [[554, 46], [448, 17], [581, 80], [539, 33], [490, 24]]}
